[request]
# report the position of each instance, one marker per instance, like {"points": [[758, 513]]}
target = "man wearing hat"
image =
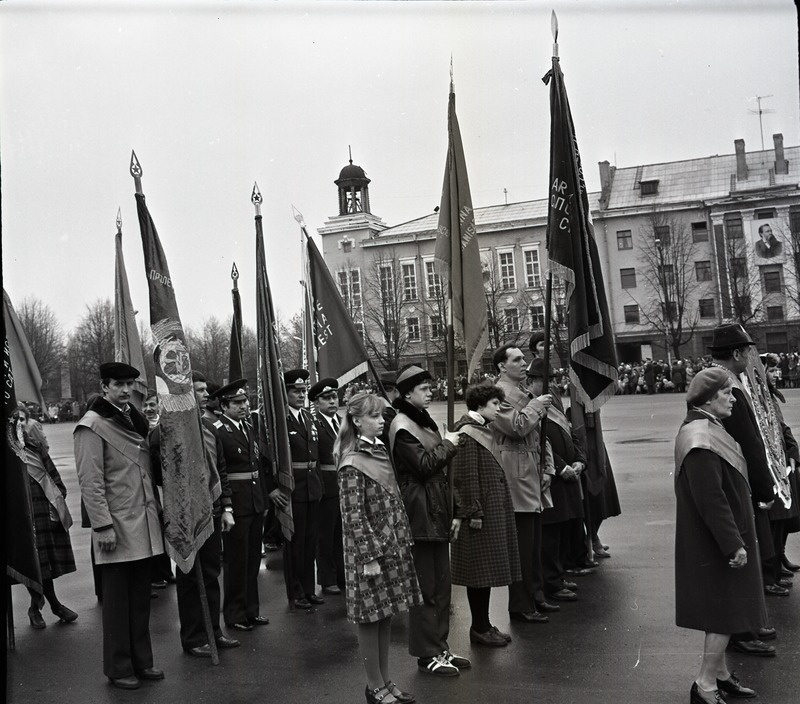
{"points": [[242, 543], [730, 349], [113, 463], [330, 555], [298, 562]]}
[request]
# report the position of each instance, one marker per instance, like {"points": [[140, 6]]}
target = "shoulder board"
{"points": [[218, 423]]}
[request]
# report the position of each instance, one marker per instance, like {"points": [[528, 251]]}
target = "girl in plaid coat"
{"points": [[379, 569]]}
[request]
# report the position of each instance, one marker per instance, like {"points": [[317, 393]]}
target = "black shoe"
{"points": [[505, 636], [696, 698], [66, 615], [200, 651], [241, 626], [302, 604], [569, 585], [789, 565], [528, 616], [753, 647], [785, 583], [150, 673], [578, 571], [547, 608], [125, 682], [399, 694], [377, 695], [767, 633], [314, 599], [564, 595], [36, 618], [590, 564], [334, 590], [733, 688], [258, 621], [489, 638], [437, 666], [599, 552], [775, 590], [786, 573], [225, 642], [456, 660]]}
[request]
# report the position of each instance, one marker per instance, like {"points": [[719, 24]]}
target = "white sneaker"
{"points": [[438, 666]]}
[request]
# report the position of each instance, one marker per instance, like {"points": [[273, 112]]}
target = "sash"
{"points": [[704, 434], [429, 439], [557, 417], [483, 436], [37, 472], [127, 442], [379, 469]]}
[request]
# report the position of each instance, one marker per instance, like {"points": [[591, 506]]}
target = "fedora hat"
{"points": [[729, 337]]}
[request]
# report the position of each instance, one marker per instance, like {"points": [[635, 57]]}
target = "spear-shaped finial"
{"points": [[256, 199], [452, 81], [136, 172], [119, 221], [554, 30], [298, 216], [235, 276]]}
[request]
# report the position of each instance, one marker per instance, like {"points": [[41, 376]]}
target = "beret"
{"points": [[411, 376], [705, 384], [118, 371]]}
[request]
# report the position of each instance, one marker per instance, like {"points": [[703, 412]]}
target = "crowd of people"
{"points": [[390, 512]]}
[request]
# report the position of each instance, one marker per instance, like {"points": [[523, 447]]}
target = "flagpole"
{"points": [[451, 337]]}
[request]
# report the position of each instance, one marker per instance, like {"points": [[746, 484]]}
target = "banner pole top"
{"points": [[298, 216], [452, 80], [256, 199], [235, 276], [554, 30], [136, 172], [119, 221]]}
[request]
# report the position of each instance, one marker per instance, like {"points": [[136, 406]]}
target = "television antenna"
{"points": [[761, 111]]}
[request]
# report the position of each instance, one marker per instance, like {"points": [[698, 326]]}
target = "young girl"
{"points": [[379, 569]]}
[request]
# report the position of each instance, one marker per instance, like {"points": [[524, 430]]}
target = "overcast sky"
{"points": [[215, 96]]}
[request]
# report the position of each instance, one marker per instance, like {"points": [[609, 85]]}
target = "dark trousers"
{"points": [[126, 618], [478, 598], [302, 550], [190, 608], [330, 554], [429, 624], [577, 551], [161, 568], [97, 573], [242, 560], [555, 543], [523, 596]]}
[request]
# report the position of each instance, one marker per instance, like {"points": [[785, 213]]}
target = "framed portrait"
{"points": [[767, 241]]}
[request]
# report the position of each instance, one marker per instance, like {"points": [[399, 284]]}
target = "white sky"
{"points": [[216, 95]]}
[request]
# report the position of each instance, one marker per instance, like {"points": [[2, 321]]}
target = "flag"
{"points": [[273, 431], [235, 364], [309, 352], [22, 560], [573, 258], [457, 250], [340, 350], [27, 380], [188, 516], [127, 345]]}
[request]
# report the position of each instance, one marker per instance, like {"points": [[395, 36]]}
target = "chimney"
{"points": [[781, 165], [741, 161], [605, 174]]}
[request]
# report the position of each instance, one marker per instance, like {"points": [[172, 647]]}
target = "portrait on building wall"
{"points": [[766, 239]]}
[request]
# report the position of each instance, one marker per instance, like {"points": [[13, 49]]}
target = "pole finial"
{"points": [[235, 276], [119, 220], [136, 171], [554, 30], [350, 153], [256, 198], [452, 80], [298, 216]]}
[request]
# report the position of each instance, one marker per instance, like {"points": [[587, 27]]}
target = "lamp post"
{"points": [[662, 277]]}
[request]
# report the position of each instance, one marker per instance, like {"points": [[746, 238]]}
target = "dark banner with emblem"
{"points": [[235, 364], [573, 258], [188, 518]]}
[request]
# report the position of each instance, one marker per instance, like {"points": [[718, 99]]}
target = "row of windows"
{"points": [[771, 274], [662, 235], [707, 309]]}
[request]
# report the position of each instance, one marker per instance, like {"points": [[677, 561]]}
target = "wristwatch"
{"points": [[228, 509]]}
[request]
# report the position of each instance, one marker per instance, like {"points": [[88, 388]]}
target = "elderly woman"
{"points": [[717, 567]]}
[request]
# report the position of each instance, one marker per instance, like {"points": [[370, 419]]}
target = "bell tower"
{"points": [[353, 189]]}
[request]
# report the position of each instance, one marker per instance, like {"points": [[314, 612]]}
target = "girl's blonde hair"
{"points": [[362, 404]]}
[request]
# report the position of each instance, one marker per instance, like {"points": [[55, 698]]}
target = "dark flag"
{"points": [[273, 431], [27, 380], [309, 352], [573, 258], [457, 249], [127, 345], [235, 365], [188, 515], [22, 560]]}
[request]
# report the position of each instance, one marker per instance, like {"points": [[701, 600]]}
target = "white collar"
{"points": [[477, 417], [295, 412], [376, 441]]}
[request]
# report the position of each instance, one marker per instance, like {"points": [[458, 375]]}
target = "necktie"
{"points": [[127, 421], [336, 423]]}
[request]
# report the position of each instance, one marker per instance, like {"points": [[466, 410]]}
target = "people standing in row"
{"points": [[113, 464], [421, 456], [379, 566], [330, 559]]}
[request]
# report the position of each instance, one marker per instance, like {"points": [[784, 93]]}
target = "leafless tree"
{"points": [[790, 237], [46, 339], [209, 349], [91, 343], [503, 329], [290, 341], [559, 329], [746, 302]]}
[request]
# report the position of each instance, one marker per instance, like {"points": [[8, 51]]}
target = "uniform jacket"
{"points": [[516, 432], [113, 464], [304, 444], [566, 495], [240, 453], [327, 437]]}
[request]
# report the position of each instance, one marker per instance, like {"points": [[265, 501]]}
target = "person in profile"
{"points": [[768, 246]]}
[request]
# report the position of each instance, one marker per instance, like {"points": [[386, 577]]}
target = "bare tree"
{"points": [[667, 255], [209, 349], [290, 341], [559, 329], [505, 328], [90, 344], [746, 303], [46, 340], [790, 237]]}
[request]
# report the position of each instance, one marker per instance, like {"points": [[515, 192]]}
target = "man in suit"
{"points": [[113, 462], [330, 556], [242, 543], [299, 553]]}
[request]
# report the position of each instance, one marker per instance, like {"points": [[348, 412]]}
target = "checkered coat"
{"points": [[375, 527], [487, 557]]}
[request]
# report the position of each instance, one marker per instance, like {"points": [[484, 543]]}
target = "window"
{"points": [[533, 278], [359, 329], [508, 279], [669, 310], [733, 226], [739, 268], [699, 232], [707, 309], [794, 219], [511, 319], [772, 277], [537, 317], [742, 305], [661, 235], [433, 281], [632, 314], [350, 288], [703, 270], [627, 278], [765, 214], [387, 283], [649, 188], [412, 327], [774, 312], [409, 271], [666, 275], [347, 246], [437, 330], [624, 239]]}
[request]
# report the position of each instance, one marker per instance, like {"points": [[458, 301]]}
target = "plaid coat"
{"points": [[487, 557]]}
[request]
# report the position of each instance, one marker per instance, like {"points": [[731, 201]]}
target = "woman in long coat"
{"points": [[379, 568], [51, 519], [718, 586], [485, 553]]}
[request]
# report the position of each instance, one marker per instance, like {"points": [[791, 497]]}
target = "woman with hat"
{"points": [[718, 587]]}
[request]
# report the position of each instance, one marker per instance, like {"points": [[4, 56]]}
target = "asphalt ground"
{"points": [[617, 644]]}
